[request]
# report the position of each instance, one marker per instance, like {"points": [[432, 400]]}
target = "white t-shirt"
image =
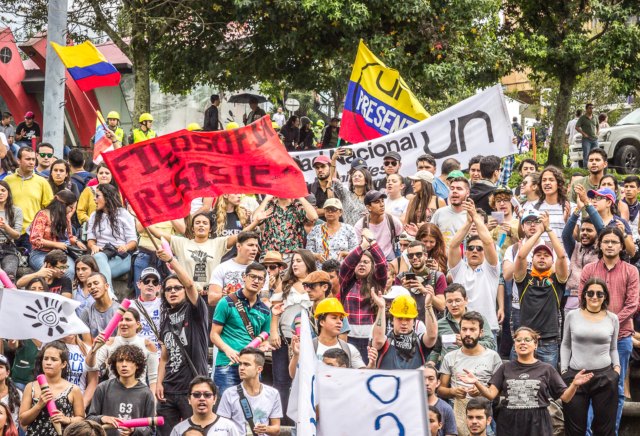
{"points": [[482, 288], [571, 130], [396, 207], [556, 219], [199, 260], [153, 310], [77, 366], [356, 358], [264, 406], [449, 222], [221, 427]]}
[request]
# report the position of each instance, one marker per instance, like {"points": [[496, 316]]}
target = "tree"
{"points": [[564, 40]]}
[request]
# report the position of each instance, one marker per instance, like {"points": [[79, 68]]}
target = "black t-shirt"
{"points": [[540, 305], [60, 285], [231, 227], [32, 131], [189, 323], [528, 386]]}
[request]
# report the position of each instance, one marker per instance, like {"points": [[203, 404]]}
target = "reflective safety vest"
{"points": [[139, 135], [119, 133]]}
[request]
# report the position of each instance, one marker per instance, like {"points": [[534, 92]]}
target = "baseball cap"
{"points": [[317, 277], [602, 192], [396, 291], [311, 198], [404, 236], [530, 214], [323, 159], [358, 163], [502, 190], [332, 202], [455, 173], [393, 155], [423, 176], [150, 271], [543, 247], [372, 196], [29, 114]]}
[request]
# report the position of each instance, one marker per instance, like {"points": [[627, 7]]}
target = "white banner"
{"points": [[38, 315], [477, 125], [371, 402], [302, 401]]}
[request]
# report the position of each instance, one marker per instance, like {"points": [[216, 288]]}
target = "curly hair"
{"points": [[112, 204], [221, 214], [439, 251], [84, 428], [562, 189], [130, 353], [289, 279], [58, 213], [64, 357], [8, 204], [419, 204]]}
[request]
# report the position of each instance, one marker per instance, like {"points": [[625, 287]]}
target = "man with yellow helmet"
{"points": [[403, 348], [114, 132], [144, 132]]}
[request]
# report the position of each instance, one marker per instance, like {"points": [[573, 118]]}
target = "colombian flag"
{"points": [[378, 101], [101, 143], [88, 67]]}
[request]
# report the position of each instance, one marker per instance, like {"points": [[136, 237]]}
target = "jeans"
{"points": [[506, 341], [280, 372], [587, 146], [174, 409], [112, 268], [625, 347], [226, 377], [515, 325], [548, 351], [36, 261]]}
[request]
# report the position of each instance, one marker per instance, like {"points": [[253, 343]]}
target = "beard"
{"points": [[469, 343]]}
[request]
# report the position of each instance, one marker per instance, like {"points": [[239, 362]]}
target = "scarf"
{"points": [[325, 240], [540, 275], [405, 344]]}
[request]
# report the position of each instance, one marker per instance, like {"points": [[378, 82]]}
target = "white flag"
{"points": [[302, 401], [371, 402], [38, 315]]}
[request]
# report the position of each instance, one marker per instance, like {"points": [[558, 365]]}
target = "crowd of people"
{"points": [[514, 303]]}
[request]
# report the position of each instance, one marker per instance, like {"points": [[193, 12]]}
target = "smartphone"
{"points": [[410, 276]]}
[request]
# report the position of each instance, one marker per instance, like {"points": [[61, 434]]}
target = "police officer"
{"points": [[144, 132], [114, 132]]}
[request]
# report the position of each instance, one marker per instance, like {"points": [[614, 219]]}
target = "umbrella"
{"points": [[245, 97]]}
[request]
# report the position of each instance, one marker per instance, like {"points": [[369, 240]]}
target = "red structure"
{"points": [[21, 81]]}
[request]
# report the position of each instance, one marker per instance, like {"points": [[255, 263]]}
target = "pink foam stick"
{"points": [[113, 324], [258, 340], [143, 422], [296, 322], [6, 281], [51, 405], [166, 247]]}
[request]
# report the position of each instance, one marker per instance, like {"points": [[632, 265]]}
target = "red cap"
{"points": [[323, 158], [544, 247]]}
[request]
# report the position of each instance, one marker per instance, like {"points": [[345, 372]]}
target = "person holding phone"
{"points": [[423, 278], [506, 233]]}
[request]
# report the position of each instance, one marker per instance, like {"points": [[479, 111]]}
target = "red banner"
{"points": [[161, 176]]}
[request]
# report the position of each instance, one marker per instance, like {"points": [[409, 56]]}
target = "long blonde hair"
{"points": [[221, 214]]}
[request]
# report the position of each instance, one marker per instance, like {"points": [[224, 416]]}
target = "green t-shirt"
{"points": [[588, 125], [24, 362], [234, 333]]}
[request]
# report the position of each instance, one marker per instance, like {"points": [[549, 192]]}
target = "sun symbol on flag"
{"points": [[50, 315]]}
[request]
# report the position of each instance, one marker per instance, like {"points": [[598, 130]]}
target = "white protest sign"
{"points": [[371, 402], [477, 125], [302, 401]]}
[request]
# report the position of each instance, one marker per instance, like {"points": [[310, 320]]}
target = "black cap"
{"points": [[393, 155], [372, 196], [358, 163]]}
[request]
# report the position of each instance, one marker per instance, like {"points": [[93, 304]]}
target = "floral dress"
{"points": [[42, 426], [284, 230]]}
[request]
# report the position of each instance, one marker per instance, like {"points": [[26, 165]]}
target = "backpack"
{"points": [[81, 180], [343, 345], [392, 230]]}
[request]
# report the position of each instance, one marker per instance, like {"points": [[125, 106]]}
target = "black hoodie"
{"points": [[480, 192]]}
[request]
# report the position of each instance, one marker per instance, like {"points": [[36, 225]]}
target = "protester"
{"points": [[10, 229], [385, 228], [53, 271], [276, 267], [396, 203], [262, 400], [7, 424], [391, 163], [451, 218], [483, 188], [60, 178], [506, 233], [529, 189], [229, 218], [360, 182], [53, 362], [84, 428], [10, 395], [609, 181], [27, 130], [631, 187], [604, 200], [332, 239], [87, 200], [85, 265], [97, 315], [44, 157], [422, 278], [78, 374], [436, 251], [590, 341], [446, 418], [203, 394], [553, 199], [124, 396]]}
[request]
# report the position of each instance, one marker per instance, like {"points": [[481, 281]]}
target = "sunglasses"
{"points": [[176, 288], [591, 294], [330, 209], [478, 248], [272, 267], [417, 255], [198, 395], [45, 154], [153, 282], [390, 163], [310, 285]]}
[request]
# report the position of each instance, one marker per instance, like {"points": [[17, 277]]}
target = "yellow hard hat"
{"points": [[320, 123], [194, 127], [232, 125], [330, 305], [145, 117], [404, 306], [275, 125], [113, 115]]}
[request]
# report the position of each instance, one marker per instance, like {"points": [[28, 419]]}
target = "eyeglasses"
{"points": [[272, 266], [390, 163], [62, 267], [153, 282], [198, 395], [45, 154], [478, 248], [527, 340], [610, 242], [591, 294], [175, 289], [598, 198], [417, 255], [255, 278]]}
